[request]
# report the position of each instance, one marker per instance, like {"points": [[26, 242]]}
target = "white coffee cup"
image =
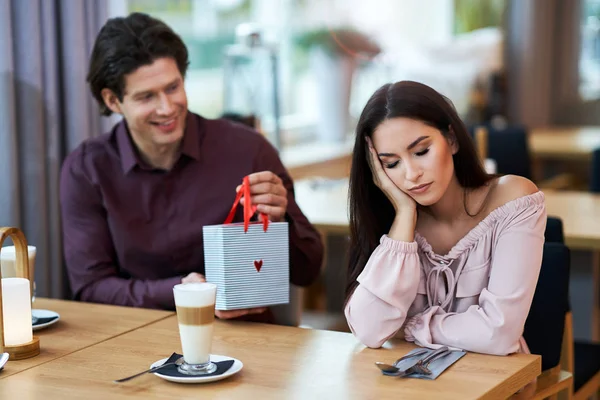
{"points": [[8, 263], [195, 304]]}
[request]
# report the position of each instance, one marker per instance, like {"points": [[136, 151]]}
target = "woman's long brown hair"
{"points": [[371, 213]]}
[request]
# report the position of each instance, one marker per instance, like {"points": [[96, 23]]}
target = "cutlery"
{"points": [[179, 361], [393, 367], [421, 366]]}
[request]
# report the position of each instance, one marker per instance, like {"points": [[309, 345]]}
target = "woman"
{"points": [[440, 251]]}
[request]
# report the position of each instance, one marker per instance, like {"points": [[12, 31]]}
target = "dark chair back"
{"points": [[545, 323], [554, 230], [595, 176], [509, 148]]}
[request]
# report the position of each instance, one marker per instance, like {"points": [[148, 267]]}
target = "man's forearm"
{"points": [[114, 290]]}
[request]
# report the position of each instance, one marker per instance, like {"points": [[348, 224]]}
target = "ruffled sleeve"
{"points": [[387, 288]]}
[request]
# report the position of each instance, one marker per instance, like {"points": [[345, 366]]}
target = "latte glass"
{"points": [[195, 303]]}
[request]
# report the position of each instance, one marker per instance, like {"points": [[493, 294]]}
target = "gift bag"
{"points": [[249, 261]]}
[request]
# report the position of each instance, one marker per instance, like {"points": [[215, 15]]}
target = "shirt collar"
{"points": [[126, 147], [191, 138], [130, 157]]}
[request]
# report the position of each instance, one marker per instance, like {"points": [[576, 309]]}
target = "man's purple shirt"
{"points": [[131, 232]]}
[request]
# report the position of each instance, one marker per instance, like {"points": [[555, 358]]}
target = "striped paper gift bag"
{"points": [[249, 262]]}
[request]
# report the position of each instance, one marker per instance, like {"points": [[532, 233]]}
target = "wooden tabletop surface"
{"points": [[566, 143], [580, 213], [279, 362], [81, 325]]}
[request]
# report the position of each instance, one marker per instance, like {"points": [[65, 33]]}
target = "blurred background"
{"points": [[490, 57], [523, 74]]}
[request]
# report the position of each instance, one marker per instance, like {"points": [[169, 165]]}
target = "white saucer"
{"points": [[44, 314], [235, 368], [3, 360]]}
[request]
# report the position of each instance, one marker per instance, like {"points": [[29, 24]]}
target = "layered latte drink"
{"points": [[195, 303]]}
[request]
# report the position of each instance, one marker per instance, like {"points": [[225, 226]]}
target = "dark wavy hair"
{"points": [[126, 43], [371, 213]]}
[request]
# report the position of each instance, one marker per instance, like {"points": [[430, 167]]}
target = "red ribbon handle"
{"points": [[249, 208]]}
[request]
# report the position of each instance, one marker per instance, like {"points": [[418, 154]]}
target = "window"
{"points": [[414, 36], [589, 62], [477, 14]]}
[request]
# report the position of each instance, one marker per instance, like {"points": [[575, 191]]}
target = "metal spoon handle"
{"points": [[417, 353], [421, 364], [144, 372], [434, 354], [437, 356]]}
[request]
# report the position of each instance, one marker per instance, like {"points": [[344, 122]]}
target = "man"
{"points": [[135, 199]]}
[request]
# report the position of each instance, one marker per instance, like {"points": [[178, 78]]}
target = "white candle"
{"points": [[16, 307]]}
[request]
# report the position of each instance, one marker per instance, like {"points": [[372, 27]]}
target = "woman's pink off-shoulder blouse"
{"points": [[475, 298]]}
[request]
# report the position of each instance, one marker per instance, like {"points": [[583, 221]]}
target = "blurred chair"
{"points": [[545, 325], [578, 357], [248, 120], [595, 172], [586, 364], [290, 314], [554, 230], [509, 148]]}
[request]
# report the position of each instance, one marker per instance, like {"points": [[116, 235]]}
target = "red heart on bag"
{"points": [[258, 265]]}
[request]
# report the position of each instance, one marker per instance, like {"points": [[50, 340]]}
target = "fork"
{"points": [[421, 366], [393, 367]]}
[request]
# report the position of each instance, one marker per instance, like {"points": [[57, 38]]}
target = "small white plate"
{"points": [[235, 368], [44, 314]]}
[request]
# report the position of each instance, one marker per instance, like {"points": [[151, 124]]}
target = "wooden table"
{"points": [[564, 143], [81, 325], [331, 160], [580, 213], [279, 362]]}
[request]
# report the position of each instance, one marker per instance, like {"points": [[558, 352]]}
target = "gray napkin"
{"points": [[436, 367]]}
